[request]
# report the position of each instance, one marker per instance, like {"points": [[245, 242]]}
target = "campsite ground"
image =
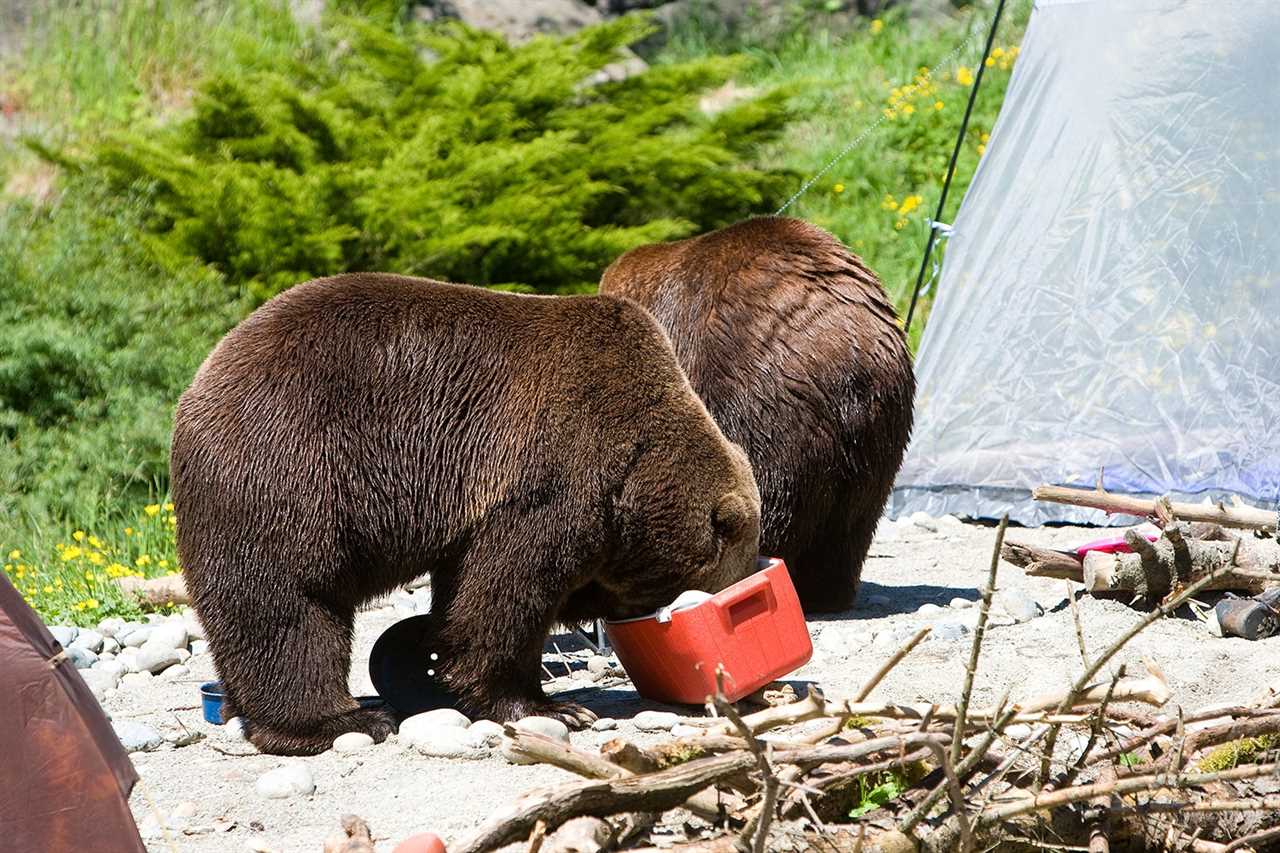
{"points": [[400, 792]]}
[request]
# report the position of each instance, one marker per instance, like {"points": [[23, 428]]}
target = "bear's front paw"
{"points": [[571, 714]]}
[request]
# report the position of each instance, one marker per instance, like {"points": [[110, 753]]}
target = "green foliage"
{"points": [[447, 153], [1243, 751], [878, 791]]}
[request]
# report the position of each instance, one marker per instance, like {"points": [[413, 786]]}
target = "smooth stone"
{"points": [[351, 742], [683, 730], [174, 673], [99, 682], [137, 737], [234, 728], [958, 603], [445, 742], [109, 646], [544, 726], [89, 639], [586, 675], [156, 659], [113, 668], [598, 664], [604, 724], [136, 679], [170, 635], [950, 630], [485, 733], [183, 655], [195, 628], [199, 647], [289, 781], [64, 634], [135, 638], [110, 626], [1020, 606], [926, 609], [129, 658], [429, 721], [925, 521], [655, 721], [81, 658], [949, 522]]}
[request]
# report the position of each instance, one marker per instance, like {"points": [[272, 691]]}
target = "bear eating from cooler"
{"points": [[543, 458], [794, 347]]}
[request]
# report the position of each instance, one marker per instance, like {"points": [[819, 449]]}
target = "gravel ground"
{"points": [[400, 792]]}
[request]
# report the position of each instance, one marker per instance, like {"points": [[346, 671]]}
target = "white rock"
{"points": [[183, 655], [174, 673], [544, 726], [156, 659], [927, 609], [684, 730], [110, 626], [958, 603], [598, 664], [81, 658], [64, 634], [952, 629], [1020, 606], [199, 647], [292, 780], [949, 523], [195, 628], [352, 742], [88, 639], [885, 639], [604, 724], [485, 733], [137, 737], [655, 721], [111, 668], [170, 635], [99, 682], [234, 728], [969, 618], [429, 721], [136, 679], [135, 638], [924, 521], [109, 646], [129, 658], [586, 675], [445, 742]]}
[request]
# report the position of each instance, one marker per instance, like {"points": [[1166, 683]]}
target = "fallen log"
{"points": [[1043, 562], [156, 592], [1152, 568], [1236, 515]]}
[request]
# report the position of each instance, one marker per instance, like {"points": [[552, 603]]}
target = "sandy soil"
{"points": [[400, 792]]}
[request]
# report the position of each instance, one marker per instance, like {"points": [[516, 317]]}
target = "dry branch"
{"points": [[1113, 504], [1152, 569]]}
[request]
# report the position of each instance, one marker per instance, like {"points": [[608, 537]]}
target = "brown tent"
{"points": [[64, 777]]}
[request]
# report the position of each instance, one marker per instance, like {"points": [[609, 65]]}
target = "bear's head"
{"points": [[688, 519]]}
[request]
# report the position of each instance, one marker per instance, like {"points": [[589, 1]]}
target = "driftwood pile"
{"points": [[1092, 768]]}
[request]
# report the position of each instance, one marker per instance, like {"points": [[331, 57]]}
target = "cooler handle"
{"points": [[756, 586]]}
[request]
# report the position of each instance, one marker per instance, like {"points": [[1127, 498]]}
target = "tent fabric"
{"points": [[65, 779], [1108, 299]]}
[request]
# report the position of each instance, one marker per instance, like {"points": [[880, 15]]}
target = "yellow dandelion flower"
{"points": [[57, 582], [91, 604], [964, 76], [876, 26], [937, 105], [168, 507], [908, 110], [15, 554], [48, 589], [985, 137], [989, 62], [71, 553], [173, 521], [998, 52], [89, 576], [95, 541], [164, 564], [21, 572], [982, 149], [59, 546], [909, 204], [151, 509], [128, 531], [889, 203], [144, 560], [838, 188], [78, 536], [96, 558], [31, 590], [8, 567]]}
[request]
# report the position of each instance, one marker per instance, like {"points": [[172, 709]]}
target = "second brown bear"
{"points": [[794, 347]]}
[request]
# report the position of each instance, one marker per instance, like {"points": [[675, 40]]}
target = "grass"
{"points": [[100, 333]]}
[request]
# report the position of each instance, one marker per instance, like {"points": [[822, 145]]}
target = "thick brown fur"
{"points": [[545, 459], [794, 347]]}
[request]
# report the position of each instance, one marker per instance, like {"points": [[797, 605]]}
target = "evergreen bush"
{"points": [[447, 152]]}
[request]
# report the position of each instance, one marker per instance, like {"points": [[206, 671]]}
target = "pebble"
{"points": [[539, 725], [685, 730], [170, 635], [195, 628], [352, 742], [175, 673], [444, 742], [926, 609], [885, 639], [234, 729], [655, 721], [183, 655], [156, 659], [135, 638], [137, 737], [604, 724], [199, 647], [586, 675], [81, 658], [1020, 606], [949, 522], [136, 679], [88, 639], [599, 664], [113, 668], [128, 657], [958, 603], [100, 682], [109, 646], [440, 718], [485, 733], [110, 626], [924, 521], [949, 630], [64, 634], [289, 781]]}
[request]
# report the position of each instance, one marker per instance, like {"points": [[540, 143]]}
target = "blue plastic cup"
{"points": [[211, 702]]}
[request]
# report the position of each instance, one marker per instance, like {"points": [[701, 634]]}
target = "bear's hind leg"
{"points": [[290, 682]]}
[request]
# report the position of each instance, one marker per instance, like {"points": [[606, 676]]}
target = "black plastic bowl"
{"points": [[405, 667]]}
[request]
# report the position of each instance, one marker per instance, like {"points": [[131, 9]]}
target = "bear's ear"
{"points": [[731, 515]]}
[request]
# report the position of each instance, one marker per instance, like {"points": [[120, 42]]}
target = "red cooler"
{"points": [[755, 629]]}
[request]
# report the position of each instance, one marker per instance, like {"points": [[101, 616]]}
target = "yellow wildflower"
{"points": [[151, 509], [982, 149], [998, 52], [964, 76], [890, 114], [91, 603], [989, 62], [909, 204], [164, 564], [57, 582], [48, 589], [937, 105], [899, 225], [95, 541], [71, 553], [168, 507], [838, 188], [889, 203], [8, 567], [144, 560], [15, 554], [173, 521], [22, 570], [985, 137], [89, 576], [78, 536], [876, 26], [128, 531], [96, 558], [908, 110]]}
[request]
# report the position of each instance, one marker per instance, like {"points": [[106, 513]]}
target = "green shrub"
{"points": [[446, 152]]}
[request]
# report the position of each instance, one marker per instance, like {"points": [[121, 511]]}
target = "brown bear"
{"points": [[543, 458], [795, 348]]}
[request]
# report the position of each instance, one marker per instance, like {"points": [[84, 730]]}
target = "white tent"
{"points": [[1110, 296]]}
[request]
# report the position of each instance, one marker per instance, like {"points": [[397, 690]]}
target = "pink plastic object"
{"points": [[424, 842], [755, 629], [1111, 545]]}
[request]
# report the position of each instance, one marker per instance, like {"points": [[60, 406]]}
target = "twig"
{"points": [[757, 830], [1075, 617], [537, 836], [1246, 841], [971, 668], [1235, 516], [1095, 729], [957, 796]]}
